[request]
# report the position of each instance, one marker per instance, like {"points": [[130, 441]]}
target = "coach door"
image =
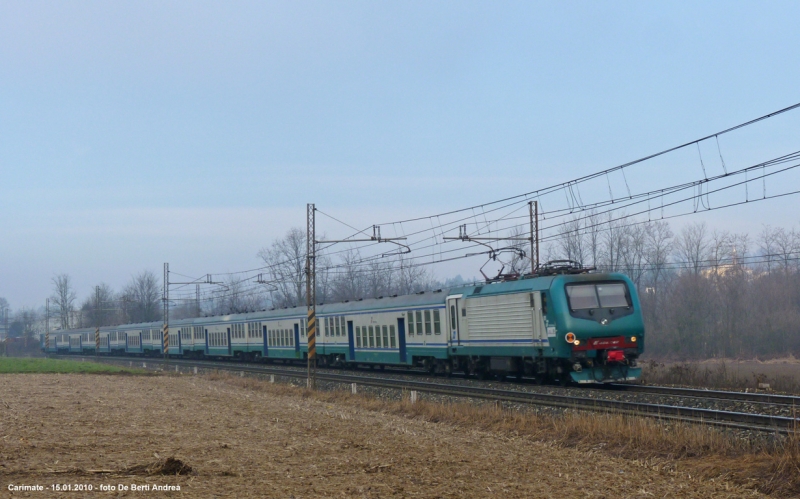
{"points": [[266, 343], [297, 340], [351, 340], [206, 330], [229, 341], [401, 336], [453, 305]]}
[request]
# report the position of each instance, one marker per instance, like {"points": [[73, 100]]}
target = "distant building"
{"points": [[4, 321]]}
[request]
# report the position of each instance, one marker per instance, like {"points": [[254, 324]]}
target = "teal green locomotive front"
{"points": [[600, 329], [582, 327]]}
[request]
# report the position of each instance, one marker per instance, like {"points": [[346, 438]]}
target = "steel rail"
{"points": [[760, 398], [740, 420]]}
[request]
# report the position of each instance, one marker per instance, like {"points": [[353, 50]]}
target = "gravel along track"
{"points": [[743, 415]]}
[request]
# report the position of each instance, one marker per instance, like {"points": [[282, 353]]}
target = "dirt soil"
{"points": [[239, 442]]}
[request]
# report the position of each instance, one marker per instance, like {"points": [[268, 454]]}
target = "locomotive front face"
{"points": [[601, 330]]}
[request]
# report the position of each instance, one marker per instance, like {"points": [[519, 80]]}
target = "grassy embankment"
{"points": [[782, 375], [769, 465], [10, 365]]}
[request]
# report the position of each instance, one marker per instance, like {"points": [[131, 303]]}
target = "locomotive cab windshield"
{"points": [[599, 300]]}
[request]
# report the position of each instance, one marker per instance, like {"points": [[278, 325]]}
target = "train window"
{"points": [[358, 336], [392, 336], [419, 322], [582, 297], [371, 337], [378, 343], [601, 295], [612, 295], [453, 317], [428, 322], [385, 336], [437, 323], [337, 327], [411, 323]]}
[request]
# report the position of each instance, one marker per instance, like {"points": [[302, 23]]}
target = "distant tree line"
{"points": [[704, 293]]}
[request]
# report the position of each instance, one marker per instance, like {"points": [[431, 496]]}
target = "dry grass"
{"points": [[770, 466], [781, 375]]}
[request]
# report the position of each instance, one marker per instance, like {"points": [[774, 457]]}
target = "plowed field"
{"points": [[102, 430]]}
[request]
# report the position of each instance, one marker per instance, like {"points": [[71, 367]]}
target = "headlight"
{"points": [[570, 337], [577, 342], [633, 339]]}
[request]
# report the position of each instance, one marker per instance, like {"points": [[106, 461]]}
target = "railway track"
{"points": [[757, 398], [729, 419]]}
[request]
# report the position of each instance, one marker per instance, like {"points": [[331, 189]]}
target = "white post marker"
{"points": [[241, 374], [353, 388], [195, 369], [176, 369], [144, 364], [413, 396], [272, 378]]}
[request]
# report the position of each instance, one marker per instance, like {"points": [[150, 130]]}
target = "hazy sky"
{"points": [[137, 133]]}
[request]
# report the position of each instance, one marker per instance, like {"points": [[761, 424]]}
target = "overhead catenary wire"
{"points": [[571, 187]]}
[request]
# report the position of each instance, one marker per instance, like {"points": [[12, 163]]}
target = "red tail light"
{"points": [[616, 355]]}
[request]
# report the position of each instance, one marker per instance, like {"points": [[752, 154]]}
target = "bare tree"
{"points": [[658, 247], [787, 247], [63, 298], [693, 246], [766, 243], [26, 325], [286, 260], [349, 281], [720, 249], [613, 238], [571, 241], [142, 298], [99, 308], [633, 251], [593, 226], [411, 278], [235, 297]]}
